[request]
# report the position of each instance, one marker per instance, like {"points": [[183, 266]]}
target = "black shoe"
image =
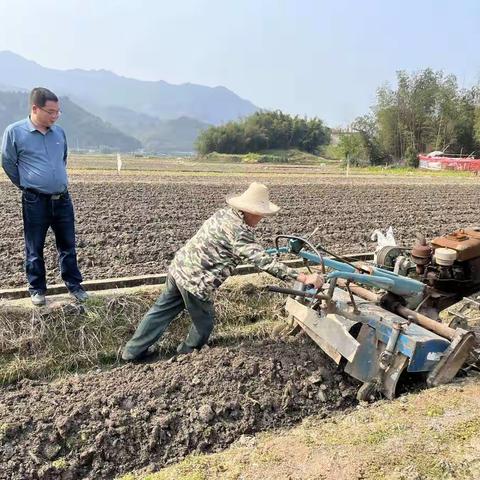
{"points": [[183, 349], [145, 356]]}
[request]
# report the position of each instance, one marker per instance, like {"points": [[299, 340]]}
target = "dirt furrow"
{"points": [[100, 425]]}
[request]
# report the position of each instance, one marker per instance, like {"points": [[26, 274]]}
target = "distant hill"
{"points": [[10, 88], [177, 135], [165, 136], [104, 89], [83, 129]]}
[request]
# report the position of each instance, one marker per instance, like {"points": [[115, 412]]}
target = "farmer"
{"points": [[34, 157], [203, 264]]}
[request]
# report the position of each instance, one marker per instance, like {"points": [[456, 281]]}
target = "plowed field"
{"points": [[98, 426], [133, 225], [103, 424]]}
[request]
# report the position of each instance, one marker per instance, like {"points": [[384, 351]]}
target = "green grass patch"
{"points": [[332, 152], [200, 467], [405, 171], [435, 411], [292, 156], [60, 463]]}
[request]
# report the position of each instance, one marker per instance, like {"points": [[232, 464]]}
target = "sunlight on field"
{"points": [[192, 165], [195, 166]]}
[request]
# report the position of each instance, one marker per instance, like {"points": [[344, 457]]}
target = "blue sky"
{"points": [[315, 58]]}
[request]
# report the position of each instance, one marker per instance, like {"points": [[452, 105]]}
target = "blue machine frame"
{"points": [[416, 349], [410, 289]]}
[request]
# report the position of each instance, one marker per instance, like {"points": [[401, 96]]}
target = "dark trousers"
{"points": [[39, 213], [173, 300]]}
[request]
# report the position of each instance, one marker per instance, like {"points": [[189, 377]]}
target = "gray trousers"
{"points": [[173, 300]]}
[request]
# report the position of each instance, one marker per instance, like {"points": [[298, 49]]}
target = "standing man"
{"points": [[203, 264], [34, 157]]}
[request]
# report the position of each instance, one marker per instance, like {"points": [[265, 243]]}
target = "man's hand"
{"points": [[314, 279]]}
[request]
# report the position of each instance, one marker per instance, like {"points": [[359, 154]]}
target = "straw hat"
{"points": [[254, 200]]}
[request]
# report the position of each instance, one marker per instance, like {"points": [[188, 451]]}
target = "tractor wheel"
{"points": [[367, 391]]}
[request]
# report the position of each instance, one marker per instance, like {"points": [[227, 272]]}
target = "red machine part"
{"points": [[466, 242], [421, 254]]}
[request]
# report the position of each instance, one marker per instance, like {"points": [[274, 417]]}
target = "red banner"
{"points": [[449, 163]]}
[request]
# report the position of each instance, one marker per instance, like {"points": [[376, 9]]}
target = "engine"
{"points": [[449, 265]]}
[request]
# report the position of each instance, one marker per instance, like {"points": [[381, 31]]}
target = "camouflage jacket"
{"points": [[211, 255]]}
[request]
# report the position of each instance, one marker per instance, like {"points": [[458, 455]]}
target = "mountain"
{"points": [[175, 136], [84, 130], [103, 88], [165, 136], [10, 88]]}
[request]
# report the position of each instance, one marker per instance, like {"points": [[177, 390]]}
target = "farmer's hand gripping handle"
{"points": [[315, 280]]}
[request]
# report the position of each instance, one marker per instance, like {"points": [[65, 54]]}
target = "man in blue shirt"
{"points": [[34, 157]]}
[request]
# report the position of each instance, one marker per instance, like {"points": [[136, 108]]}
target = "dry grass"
{"points": [[37, 343], [42, 344]]}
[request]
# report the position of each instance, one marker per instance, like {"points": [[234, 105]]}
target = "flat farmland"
{"points": [[113, 419], [133, 223]]}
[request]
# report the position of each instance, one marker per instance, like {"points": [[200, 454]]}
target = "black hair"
{"points": [[40, 96]]}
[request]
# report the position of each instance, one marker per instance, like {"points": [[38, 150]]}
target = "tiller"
{"points": [[379, 320]]}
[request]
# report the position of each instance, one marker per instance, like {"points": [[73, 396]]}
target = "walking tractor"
{"points": [[379, 320]]}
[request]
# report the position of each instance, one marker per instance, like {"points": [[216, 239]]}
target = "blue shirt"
{"points": [[35, 160]]}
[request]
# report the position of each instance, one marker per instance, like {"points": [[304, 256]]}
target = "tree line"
{"points": [[264, 130], [427, 111]]}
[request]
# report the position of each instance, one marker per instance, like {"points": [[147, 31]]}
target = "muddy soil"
{"points": [[100, 425], [129, 227]]}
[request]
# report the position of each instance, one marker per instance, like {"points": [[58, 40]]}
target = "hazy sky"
{"points": [[322, 58]]}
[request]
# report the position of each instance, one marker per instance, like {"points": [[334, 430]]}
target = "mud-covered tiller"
{"points": [[379, 320]]}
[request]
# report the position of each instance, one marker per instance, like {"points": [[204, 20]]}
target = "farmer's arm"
{"points": [[255, 253]]}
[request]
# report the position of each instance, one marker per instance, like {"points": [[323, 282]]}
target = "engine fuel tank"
{"points": [[466, 242]]}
